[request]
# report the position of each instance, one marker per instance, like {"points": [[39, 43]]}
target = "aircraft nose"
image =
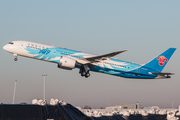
{"points": [[5, 47]]}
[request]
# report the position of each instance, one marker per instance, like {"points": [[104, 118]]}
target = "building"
{"points": [[130, 106]]}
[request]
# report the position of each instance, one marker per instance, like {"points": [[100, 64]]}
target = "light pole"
{"points": [[172, 104], [14, 91], [44, 75]]}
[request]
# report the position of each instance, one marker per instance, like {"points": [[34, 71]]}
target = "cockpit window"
{"points": [[11, 43]]}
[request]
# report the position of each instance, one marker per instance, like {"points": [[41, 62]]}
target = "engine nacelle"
{"points": [[66, 63]]}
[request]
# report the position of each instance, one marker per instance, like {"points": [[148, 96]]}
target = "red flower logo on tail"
{"points": [[162, 59]]}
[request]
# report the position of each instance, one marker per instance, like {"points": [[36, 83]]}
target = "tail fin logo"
{"points": [[162, 60]]}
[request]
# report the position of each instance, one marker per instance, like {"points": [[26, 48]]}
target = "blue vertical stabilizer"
{"points": [[160, 61]]}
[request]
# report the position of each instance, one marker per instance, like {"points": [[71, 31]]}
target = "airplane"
{"points": [[69, 59]]}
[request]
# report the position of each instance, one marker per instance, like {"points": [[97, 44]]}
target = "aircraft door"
{"points": [[53, 52], [21, 45], [138, 71]]}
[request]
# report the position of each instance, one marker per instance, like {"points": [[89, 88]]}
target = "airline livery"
{"points": [[70, 59]]}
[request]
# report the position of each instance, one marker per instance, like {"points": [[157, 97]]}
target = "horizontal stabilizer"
{"points": [[163, 74]]}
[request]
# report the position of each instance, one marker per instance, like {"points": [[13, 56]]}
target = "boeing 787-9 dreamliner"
{"points": [[69, 59]]}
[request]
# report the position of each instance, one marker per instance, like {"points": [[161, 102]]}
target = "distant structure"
{"points": [[125, 106], [130, 106]]}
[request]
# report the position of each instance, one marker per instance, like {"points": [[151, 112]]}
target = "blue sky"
{"points": [[145, 28]]}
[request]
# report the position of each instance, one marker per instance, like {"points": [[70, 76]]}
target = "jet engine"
{"points": [[66, 63]]}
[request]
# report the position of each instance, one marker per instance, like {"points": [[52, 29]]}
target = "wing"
{"points": [[99, 58]]}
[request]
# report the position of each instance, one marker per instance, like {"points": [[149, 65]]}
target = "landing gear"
{"points": [[15, 59], [87, 74], [15, 55], [84, 71]]}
